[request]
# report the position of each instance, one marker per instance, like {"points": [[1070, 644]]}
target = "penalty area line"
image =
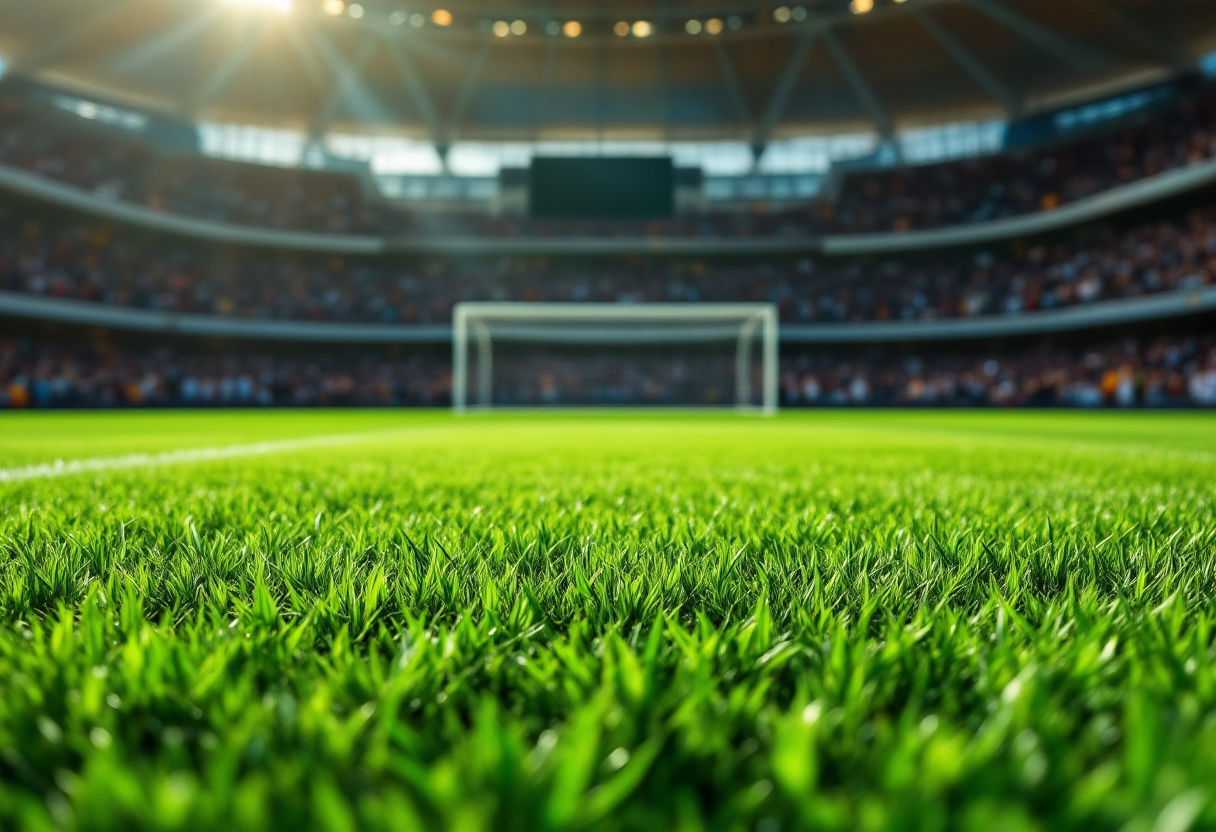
{"points": [[64, 468]]}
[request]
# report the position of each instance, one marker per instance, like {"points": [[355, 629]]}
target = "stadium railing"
{"points": [[1121, 198], [1091, 316]]}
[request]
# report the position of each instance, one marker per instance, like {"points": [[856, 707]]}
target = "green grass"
{"points": [[835, 621]]}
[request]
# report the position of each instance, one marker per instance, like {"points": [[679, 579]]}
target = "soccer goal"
{"points": [[610, 354]]}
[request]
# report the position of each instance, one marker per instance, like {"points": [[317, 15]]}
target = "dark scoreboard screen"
{"points": [[602, 188]]}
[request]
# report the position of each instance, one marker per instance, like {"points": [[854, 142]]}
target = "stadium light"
{"points": [[693, 27], [443, 17], [782, 14], [398, 18], [281, 6], [642, 29], [713, 26], [799, 12], [501, 28], [355, 10], [572, 29], [519, 27], [861, 6], [621, 28], [333, 7]]}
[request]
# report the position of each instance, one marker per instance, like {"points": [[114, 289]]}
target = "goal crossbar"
{"points": [[477, 325]]}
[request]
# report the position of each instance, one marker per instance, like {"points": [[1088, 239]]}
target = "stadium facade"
{"points": [[976, 203]]}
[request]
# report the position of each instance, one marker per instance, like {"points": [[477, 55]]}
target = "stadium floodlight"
{"points": [[612, 354]]}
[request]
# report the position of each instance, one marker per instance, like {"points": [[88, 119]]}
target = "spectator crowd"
{"points": [[51, 256], [37, 374], [124, 167], [1166, 371], [1025, 181]]}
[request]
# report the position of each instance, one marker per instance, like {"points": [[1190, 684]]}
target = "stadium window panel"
{"points": [[951, 141], [485, 159], [814, 154], [283, 148], [387, 155], [714, 158], [102, 113], [482, 190]]}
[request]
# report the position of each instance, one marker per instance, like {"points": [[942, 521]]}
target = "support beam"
{"points": [[860, 87], [601, 91], [167, 45], [1067, 50], [971, 64], [785, 87], [348, 75], [420, 96], [47, 53], [308, 59], [541, 101], [1153, 45], [468, 88], [732, 87], [660, 72], [225, 73]]}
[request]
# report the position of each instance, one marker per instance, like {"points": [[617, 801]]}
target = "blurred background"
{"points": [[266, 203]]}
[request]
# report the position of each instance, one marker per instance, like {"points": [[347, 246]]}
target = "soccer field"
{"points": [[387, 620]]}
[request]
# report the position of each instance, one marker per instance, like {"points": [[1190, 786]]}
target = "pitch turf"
{"points": [[839, 621]]}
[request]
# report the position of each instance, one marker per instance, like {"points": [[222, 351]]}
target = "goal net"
{"points": [[608, 354]]}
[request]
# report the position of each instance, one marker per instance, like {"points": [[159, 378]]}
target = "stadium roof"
{"points": [[504, 70]]}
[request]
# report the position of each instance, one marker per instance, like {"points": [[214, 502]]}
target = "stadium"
{"points": [[673, 414]]}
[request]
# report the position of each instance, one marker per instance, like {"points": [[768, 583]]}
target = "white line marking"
{"points": [[60, 468]]}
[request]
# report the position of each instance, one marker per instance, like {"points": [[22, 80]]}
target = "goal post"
{"points": [[721, 355]]}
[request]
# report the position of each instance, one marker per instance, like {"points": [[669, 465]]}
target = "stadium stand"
{"points": [[1024, 181], [1028, 180], [1163, 371], [59, 257], [126, 169], [207, 245]]}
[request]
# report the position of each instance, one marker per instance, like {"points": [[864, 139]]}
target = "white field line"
{"points": [[61, 468]]}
